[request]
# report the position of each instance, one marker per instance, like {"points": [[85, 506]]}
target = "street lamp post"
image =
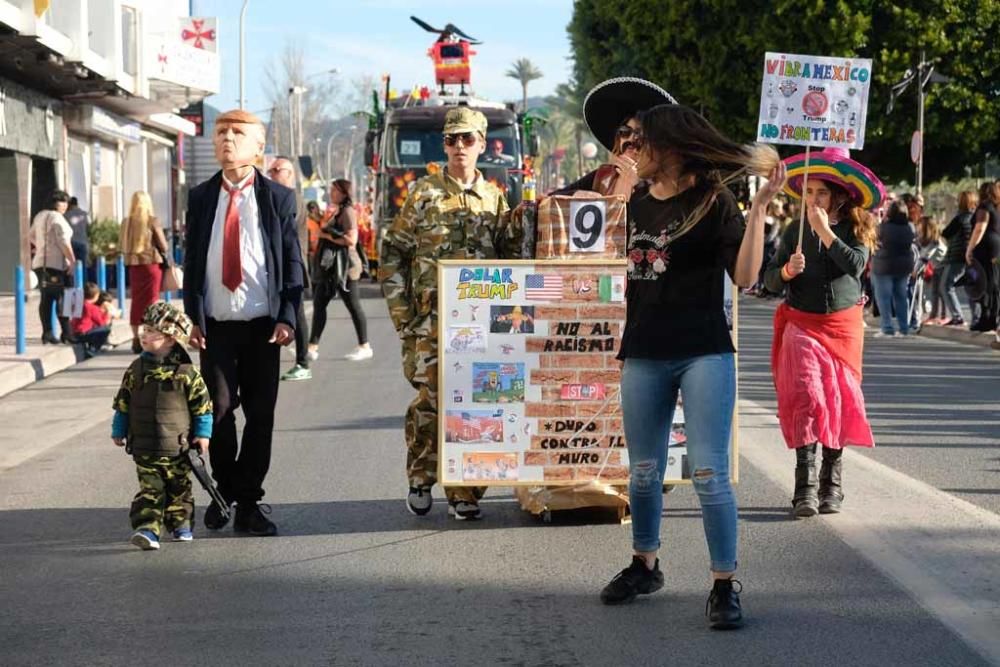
{"points": [[243, 15], [329, 143]]}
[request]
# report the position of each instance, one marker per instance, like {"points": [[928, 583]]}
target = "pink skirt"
{"points": [[819, 399], [145, 281]]}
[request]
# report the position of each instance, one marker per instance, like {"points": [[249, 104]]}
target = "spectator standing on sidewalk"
{"points": [[956, 235], [338, 271], [144, 246], [162, 403], [931, 251], [282, 172], [79, 221], [242, 287], [892, 266], [816, 355], [53, 263], [984, 247]]}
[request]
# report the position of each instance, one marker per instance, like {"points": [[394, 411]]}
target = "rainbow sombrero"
{"points": [[835, 166]]}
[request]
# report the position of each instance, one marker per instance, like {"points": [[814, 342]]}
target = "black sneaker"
{"points": [[250, 519], [419, 500], [723, 606], [634, 580], [215, 518], [464, 510]]}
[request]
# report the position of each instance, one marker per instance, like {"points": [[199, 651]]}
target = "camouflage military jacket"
{"points": [[440, 220], [175, 370]]}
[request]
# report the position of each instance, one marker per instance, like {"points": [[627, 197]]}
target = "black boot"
{"points": [[805, 501], [831, 494]]}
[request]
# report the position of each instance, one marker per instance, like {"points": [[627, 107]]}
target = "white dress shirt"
{"points": [[250, 300], [49, 232]]}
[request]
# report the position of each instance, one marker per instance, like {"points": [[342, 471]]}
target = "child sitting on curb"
{"points": [[93, 326], [162, 403]]}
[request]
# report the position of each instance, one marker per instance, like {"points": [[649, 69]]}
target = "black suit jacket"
{"points": [[276, 204]]}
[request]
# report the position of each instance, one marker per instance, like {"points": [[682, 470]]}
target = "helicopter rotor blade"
{"points": [[452, 28], [425, 26]]}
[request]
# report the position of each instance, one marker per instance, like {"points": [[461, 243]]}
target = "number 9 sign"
{"points": [[587, 226]]}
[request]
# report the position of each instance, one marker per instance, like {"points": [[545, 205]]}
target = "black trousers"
{"points": [[241, 368], [323, 293], [301, 336], [51, 295]]}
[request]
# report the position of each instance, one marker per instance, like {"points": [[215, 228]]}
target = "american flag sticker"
{"points": [[543, 287]]}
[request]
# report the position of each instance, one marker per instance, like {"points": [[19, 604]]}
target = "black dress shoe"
{"points": [[723, 606], [49, 339], [250, 519], [215, 519], [636, 579]]}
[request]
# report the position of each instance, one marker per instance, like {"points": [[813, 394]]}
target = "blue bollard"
{"points": [[121, 283], [20, 324], [102, 274], [78, 275]]}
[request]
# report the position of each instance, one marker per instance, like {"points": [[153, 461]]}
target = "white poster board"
{"points": [[527, 375], [814, 100]]}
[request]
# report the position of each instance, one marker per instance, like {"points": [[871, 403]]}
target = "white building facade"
{"points": [[89, 95]]}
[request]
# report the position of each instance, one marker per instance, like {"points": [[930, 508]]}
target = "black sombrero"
{"points": [[612, 102]]}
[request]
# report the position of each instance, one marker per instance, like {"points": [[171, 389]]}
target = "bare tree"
{"points": [[284, 72]]}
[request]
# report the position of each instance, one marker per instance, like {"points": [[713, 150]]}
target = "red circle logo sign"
{"points": [[814, 104]]}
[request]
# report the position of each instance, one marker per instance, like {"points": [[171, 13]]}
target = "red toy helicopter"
{"points": [[451, 55]]}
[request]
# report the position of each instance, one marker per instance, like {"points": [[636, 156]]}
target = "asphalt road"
{"points": [[353, 579]]}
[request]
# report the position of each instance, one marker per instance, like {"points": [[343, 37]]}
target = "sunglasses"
{"points": [[625, 131], [468, 139]]}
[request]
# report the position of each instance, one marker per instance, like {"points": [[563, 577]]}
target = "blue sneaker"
{"points": [[145, 540], [183, 535]]}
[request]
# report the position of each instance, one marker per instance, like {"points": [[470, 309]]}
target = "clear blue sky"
{"points": [[375, 36]]}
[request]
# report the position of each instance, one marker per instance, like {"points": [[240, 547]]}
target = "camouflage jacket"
{"points": [[440, 220], [165, 371]]}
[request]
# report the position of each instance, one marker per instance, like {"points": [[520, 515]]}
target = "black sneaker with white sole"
{"points": [[464, 510], [636, 579], [419, 500]]}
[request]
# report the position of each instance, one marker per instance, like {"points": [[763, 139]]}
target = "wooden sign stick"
{"points": [[802, 212]]}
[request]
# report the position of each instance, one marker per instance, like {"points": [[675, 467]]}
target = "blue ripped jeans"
{"points": [[649, 393]]}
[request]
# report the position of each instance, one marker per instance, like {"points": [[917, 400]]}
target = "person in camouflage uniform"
{"points": [[452, 214], [163, 403]]}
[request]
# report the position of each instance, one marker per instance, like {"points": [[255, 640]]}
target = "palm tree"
{"points": [[524, 71], [568, 100]]}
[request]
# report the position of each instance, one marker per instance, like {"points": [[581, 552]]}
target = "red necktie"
{"points": [[232, 266]]}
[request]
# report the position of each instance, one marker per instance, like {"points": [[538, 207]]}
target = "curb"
{"points": [[955, 334], [43, 361]]}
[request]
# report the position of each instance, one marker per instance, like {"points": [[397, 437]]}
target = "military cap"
{"points": [[169, 320], [464, 119]]}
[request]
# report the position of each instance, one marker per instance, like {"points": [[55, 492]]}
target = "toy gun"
{"points": [[198, 466]]}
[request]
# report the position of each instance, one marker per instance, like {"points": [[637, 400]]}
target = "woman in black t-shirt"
{"points": [[685, 233], [984, 247]]}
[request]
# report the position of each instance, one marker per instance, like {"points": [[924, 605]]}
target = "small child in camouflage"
{"points": [[161, 407]]}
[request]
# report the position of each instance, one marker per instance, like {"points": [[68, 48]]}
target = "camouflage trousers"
{"points": [[164, 495], [420, 367]]}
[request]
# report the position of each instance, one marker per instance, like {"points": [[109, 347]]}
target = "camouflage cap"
{"points": [[169, 320], [464, 119]]}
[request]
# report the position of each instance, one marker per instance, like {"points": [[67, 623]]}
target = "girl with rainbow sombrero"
{"points": [[819, 329]]}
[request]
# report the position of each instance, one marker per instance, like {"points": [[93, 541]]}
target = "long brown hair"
{"points": [[968, 201], [863, 223], [705, 153], [990, 191]]}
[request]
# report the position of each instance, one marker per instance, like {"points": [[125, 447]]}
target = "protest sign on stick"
{"points": [[813, 101]]}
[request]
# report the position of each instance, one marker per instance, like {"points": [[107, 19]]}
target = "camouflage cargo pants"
{"points": [[420, 367], [164, 495]]}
